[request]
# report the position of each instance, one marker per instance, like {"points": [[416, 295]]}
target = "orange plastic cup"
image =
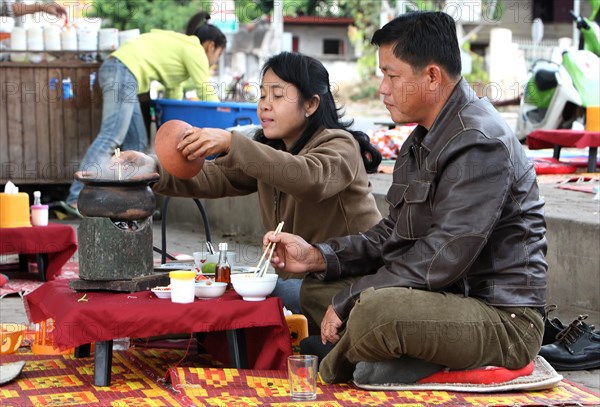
{"points": [[43, 344]]}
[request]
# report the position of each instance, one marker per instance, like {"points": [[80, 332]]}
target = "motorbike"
{"points": [[556, 95]]}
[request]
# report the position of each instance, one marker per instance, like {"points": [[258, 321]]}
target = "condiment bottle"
{"points": [[39, 212], [37, 198], [223, 269]]}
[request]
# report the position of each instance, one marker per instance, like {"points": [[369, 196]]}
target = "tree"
{"points": [[366, 22], [248, 10], [146, 14], [366, 14]]}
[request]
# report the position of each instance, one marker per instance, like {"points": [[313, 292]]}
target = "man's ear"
{"points": [[434, 75]]}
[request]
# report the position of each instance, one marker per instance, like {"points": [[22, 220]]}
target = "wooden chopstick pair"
{"points": [[261, 268]]}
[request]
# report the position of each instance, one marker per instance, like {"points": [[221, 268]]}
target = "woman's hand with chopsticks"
{"points": [[293, 254]]}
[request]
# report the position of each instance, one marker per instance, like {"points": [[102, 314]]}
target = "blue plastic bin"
{"points": [[206, 114]]}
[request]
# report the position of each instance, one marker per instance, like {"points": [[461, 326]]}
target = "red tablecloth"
{"points": [[58, 241], [102, 316], [540, 139]]}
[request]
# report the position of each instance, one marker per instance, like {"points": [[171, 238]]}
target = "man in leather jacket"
{"points": [[455, 275]]}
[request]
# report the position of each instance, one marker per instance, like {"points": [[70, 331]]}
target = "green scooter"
{"points": [[556, 95]]}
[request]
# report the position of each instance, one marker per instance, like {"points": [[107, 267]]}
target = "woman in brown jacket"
{"points": [[309, 170]]}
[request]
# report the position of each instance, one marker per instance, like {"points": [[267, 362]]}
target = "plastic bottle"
{"points": [[67, 89], [298, 327], [39, 212], [18, 42], [223, 269]]}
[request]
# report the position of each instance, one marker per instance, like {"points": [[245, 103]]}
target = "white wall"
{"points": [[342, 72], [311, 39]]}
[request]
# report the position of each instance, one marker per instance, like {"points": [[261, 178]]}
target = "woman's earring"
{"points": [[306, 114]]}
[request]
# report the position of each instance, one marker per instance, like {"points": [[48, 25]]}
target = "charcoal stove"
{"points": [[115, 234]]}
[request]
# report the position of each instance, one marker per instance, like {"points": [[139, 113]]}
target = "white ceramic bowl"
{"points": [[252, 288], [162, 292], [209, 289]]}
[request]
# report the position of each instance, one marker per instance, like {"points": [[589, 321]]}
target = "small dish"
{"points": [[209, 289], [162, 292]]}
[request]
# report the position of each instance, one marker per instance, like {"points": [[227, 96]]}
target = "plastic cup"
{"points": [[182, 286], [39, 215], [302, 375]]}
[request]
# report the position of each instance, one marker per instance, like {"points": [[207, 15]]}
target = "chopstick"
{"points": [[117, 154], [261, 269]]}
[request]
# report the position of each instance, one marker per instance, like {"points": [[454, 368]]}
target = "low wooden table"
{"points": [[53, 246], [557, 139], [257, 334]]}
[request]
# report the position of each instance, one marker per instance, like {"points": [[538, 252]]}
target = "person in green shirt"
{"points": [[165, 56]]}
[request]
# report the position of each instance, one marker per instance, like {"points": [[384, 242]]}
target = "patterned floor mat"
{"points": [[213, 386], [62, 380], [138, 379]]}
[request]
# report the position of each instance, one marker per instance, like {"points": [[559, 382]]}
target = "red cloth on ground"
{"points": [[552, 166], [58, 241], [90, 316]]}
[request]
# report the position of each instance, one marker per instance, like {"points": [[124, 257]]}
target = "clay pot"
{"points": [[168, 135], [128, 199]]}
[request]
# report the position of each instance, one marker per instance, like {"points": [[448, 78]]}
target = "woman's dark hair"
{"points": [[311, 78], [198, 25], [422, 37]]}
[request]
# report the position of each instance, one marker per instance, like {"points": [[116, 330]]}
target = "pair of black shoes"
{"points": [[572, 347]]}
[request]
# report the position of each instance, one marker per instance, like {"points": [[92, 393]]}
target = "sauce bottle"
{"points": [[223, 269]]}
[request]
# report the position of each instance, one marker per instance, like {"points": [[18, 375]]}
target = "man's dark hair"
{"points": [[421, 38]]}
